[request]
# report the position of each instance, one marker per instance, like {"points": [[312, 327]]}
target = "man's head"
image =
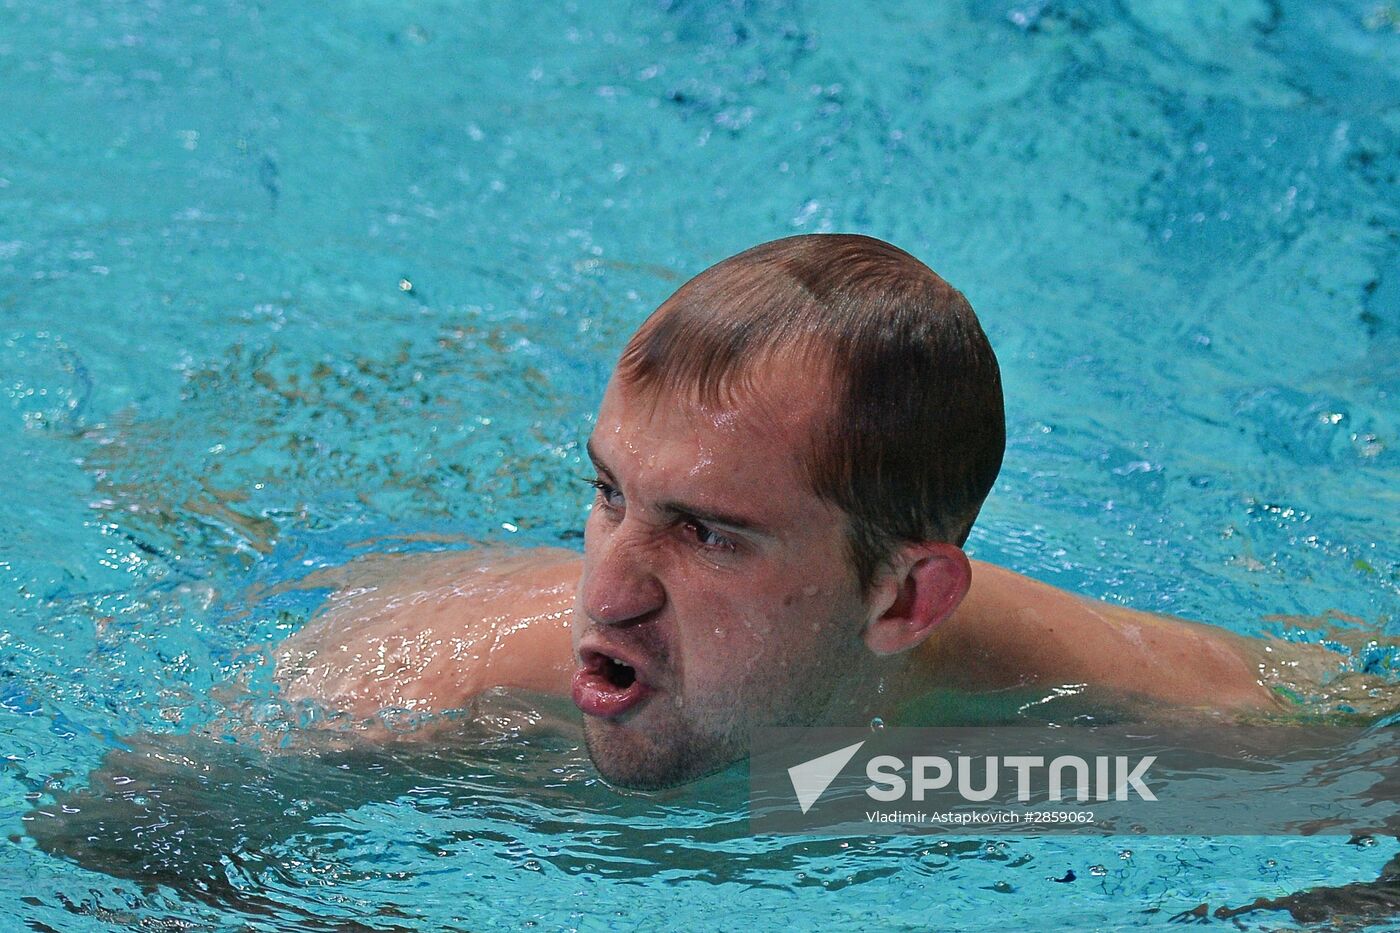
{"points": [[790, 453]]}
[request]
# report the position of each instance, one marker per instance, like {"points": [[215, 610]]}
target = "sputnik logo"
{"points": [[811, 778]]}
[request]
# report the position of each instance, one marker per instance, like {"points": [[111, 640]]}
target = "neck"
{"points": [[878, 691]]}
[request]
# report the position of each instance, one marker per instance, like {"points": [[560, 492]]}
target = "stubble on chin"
{"points": [[655, 760]]}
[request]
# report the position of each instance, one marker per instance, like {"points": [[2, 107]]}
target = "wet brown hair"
{"points": [[916, 429]]}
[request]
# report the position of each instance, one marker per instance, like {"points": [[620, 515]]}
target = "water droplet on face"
{"points": [[719, 633], [809, 590], [880, 685], [877, 724]]}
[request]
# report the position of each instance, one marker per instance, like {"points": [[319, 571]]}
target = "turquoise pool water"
{"points": [[281, 284]]}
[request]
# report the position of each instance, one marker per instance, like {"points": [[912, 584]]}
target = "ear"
{"points": [[924, 587]]}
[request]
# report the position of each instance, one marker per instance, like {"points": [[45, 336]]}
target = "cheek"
{"points": [[820, 626], [813, 605], [722, 640], [757, 642]]}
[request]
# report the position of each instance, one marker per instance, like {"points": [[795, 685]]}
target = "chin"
{"points": [[654, 759]]}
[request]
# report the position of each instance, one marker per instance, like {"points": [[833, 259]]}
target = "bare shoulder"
{"points": [[427, 632], [1014, 631]]}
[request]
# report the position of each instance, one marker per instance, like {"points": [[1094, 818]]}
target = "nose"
{"points": [[619, 583]]}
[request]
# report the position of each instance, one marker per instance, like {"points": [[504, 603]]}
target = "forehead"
{"points": [[750, 447], [784, 399]]}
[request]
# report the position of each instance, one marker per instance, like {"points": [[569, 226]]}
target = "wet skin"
{"points": [[715, 595], [713, 573]]}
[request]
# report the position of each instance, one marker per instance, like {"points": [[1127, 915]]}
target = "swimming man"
{"points": [[789, 457]]}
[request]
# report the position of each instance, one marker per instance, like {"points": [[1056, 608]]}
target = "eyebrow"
{"points": [[683, 510]]}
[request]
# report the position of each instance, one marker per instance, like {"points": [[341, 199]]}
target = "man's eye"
{"points": [[709, 538], [608, 494]]}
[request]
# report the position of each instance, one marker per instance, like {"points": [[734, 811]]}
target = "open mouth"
{"points": [[618, 674], [606, 686]]}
